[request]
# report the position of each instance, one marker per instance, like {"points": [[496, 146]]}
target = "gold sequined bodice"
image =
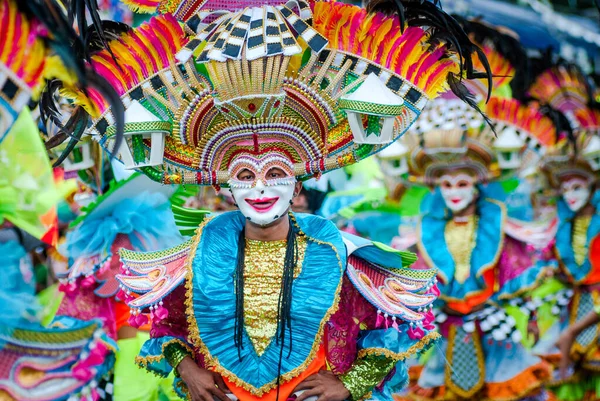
{"points": [[460, 240], [579, 241], [263, 272]]}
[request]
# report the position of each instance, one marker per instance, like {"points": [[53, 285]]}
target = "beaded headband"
{"points": [[323, 85]]}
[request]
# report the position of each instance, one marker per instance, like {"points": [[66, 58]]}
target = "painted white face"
{"points": [[458, 190], [264, 191], [576, 193]]}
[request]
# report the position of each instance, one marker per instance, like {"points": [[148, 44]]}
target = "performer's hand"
{"points": [[202, 384], [564, 344], [325, 386]]}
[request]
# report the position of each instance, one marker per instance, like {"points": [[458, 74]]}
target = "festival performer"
{"points": [[264, 303], [482, 268], [70, 358], [134, 214], [571, 171]]}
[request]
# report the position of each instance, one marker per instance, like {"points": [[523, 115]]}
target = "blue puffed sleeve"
{"points": [[152, 356]]}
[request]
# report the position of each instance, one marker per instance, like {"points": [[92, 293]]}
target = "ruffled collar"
{"points": [[211, 302], [564, 238], [488, 245]]}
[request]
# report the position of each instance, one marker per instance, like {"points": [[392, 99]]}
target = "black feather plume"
{"points": [[461, 91], [507, 46], [441, 28]]}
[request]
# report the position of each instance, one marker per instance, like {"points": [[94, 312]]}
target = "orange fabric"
{"points": [[414, 372], [465, 307], [286, 389], [523, 385], [122, 316], [594, 255]]}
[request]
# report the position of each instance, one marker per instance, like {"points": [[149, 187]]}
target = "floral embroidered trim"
{"points": [[196, 340]]}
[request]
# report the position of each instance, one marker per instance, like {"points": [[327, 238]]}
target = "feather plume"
{"points": [[142, 6], [525, 117], [588, 118], [562, 86], [414, 39], [138, 54], [507, 58], [22, 49]]}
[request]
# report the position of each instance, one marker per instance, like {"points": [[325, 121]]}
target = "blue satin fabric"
{"points": [[389, 339], [154, 348], [397, 342], [314, 294], [148, 215], [17, 295], [393, 386], [564, 240], [488, 243]]}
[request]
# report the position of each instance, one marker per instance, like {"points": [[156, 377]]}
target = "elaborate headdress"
{"points": [[318, 85], [457, 142], [578, 155], [449, 135], [23, 62], [564, 87], [39, 43]]}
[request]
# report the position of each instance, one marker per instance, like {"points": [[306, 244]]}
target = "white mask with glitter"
{"points": [[263, 191], [458, 191], [576, 193]]}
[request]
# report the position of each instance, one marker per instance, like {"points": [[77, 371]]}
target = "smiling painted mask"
{"points": [[458, 190], [576, 192], [263, 189]]}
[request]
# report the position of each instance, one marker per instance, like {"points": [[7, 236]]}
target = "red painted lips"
{"points": [[262, 205]]}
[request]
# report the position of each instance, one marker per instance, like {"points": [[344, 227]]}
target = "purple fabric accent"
{"points": [[514, 260], [83, 304], [343, 328], [175, 324]]}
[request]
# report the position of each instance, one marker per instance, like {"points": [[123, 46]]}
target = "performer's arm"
{"points": [[365, 374], [565, 342]]}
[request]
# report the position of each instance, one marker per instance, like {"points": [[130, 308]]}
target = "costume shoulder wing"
{"points": [[153, 275], [383, 276], [539, 234]]}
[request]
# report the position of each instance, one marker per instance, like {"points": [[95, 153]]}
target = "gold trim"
{"points": [[480, 363], [143, 361], [194, 334], [412, 350]]}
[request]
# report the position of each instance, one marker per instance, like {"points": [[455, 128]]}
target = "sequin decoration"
{"points": [[365, 374], [460, 240], [263, 272], [580, 227]]}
